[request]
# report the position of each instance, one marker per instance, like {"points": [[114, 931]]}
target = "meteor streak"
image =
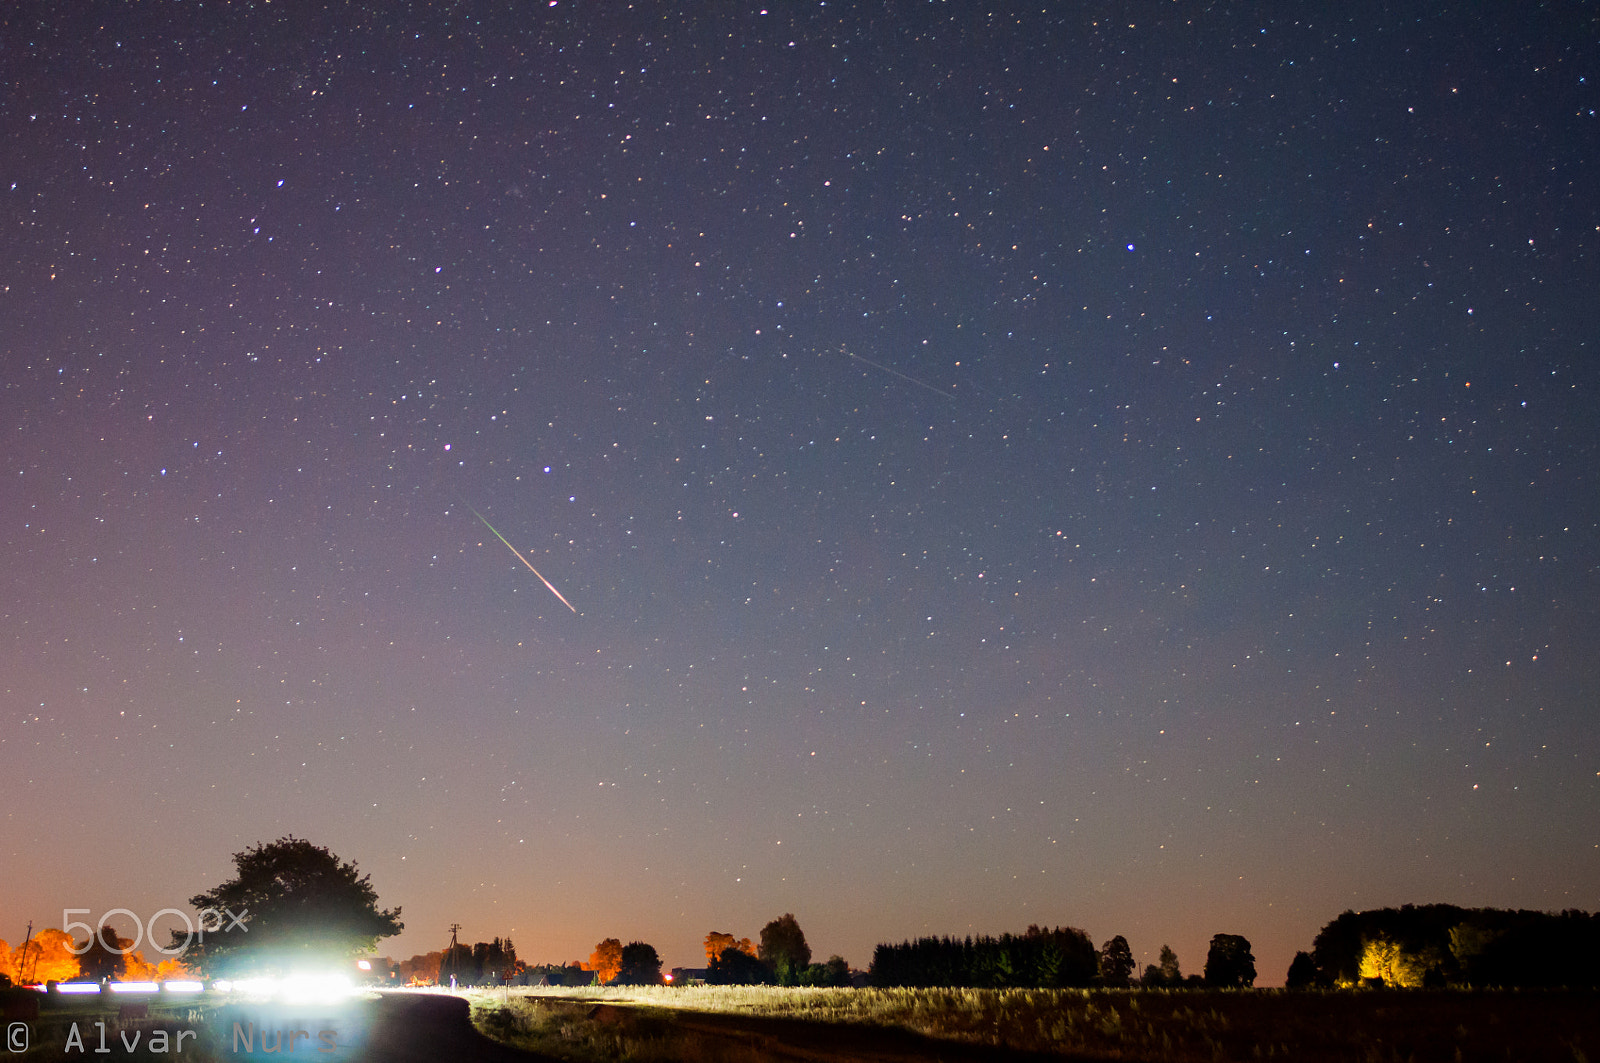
{"points": [[902, 376], [524, 560]]}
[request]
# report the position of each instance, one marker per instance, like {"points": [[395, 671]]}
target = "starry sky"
{"points": [[1127, 466]]}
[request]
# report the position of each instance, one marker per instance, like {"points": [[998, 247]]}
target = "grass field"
{"points": [[751, 1024]]}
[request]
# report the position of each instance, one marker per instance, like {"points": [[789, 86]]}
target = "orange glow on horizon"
{"points": [[47, 958]]}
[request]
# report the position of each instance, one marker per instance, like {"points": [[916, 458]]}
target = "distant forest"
{"points": [[1060, 958], [1039, 958], [1438, 945], [1435, 945]]}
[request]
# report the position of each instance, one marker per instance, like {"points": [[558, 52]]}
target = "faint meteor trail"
{"points": [[902, 376], [524, 560]]}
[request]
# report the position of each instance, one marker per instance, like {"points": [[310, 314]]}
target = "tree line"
{"points": [[1441, 945], [1058, 958], [303, 903], [781, 958]]}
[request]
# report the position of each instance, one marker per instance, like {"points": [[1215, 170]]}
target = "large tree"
{"points": [[784, 949], [1229, 963], [606, 960], [1116, 963], [103, 955], [1303, 973], [641, 965], [291, 904], [1171, 973]]}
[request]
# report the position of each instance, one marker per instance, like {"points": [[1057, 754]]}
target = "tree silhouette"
{"points": [[495, 961], [1164, 972], [1303, 973], [834, 973], [102, 955], [737, 967], [1229, 963], [640, 965], [1116, 963], [291, 904], [784, 949]]}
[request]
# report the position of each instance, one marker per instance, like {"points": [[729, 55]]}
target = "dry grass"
{"points": [[1181, 1026], [579, 1031]]}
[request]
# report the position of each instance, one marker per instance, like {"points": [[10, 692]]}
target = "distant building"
{"points": [[571, 974], [377, 971], [689, 975]]}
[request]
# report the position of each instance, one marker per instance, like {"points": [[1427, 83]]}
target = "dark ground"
{"points": [[386, 1028], [428, 1027]]}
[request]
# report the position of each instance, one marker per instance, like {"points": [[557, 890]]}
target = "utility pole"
{"points": [[22, 968], [451, 959]]}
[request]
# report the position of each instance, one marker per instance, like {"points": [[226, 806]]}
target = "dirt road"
{"points": [[430, 1028]]}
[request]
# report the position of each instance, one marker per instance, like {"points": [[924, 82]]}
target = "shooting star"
{"points": [[524, 560], [902, 376]]}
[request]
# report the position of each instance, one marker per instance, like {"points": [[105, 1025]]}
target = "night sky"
{"points": [[1127, 466]]}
